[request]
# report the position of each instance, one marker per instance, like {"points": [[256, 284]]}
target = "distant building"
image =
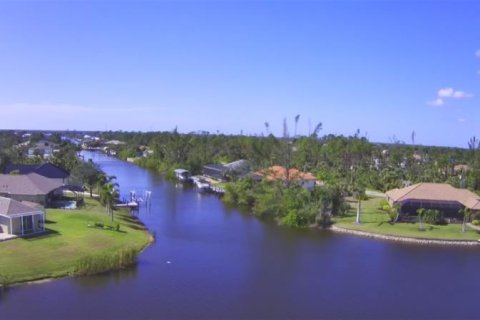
{"points": [[461, 168], [47, 170], [236, 169], [279, 173], [43, 148], [215, 171]]}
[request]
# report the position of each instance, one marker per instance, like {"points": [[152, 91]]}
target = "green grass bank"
{"points": [[376, 221], [73, 245]]}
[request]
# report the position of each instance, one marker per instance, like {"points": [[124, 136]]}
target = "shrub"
{"points": [[293, 219], [383, 205], [476, 222]]}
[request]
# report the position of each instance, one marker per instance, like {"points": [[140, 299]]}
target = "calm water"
{"points": [[210, 262]]}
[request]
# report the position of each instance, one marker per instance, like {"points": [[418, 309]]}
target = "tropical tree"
{"points": [[465, 212], [87, 174], [393, 212], [421, 215], [109, 195], [359, 195]]}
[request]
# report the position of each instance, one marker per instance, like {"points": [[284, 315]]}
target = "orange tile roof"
{"points": [[435, 192], [280, 173]]}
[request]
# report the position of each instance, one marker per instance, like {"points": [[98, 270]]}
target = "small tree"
{"points": [[465, 212], [394, 213], [421, 214]]}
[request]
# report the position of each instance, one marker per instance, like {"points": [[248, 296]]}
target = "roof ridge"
{"points": [[415, 186], [34, 181], [9, 204]]}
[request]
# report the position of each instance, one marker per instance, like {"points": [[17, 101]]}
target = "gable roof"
{"points": [[28, 184], [435, 192], [280, 173], [45, 169], [10, 207]]}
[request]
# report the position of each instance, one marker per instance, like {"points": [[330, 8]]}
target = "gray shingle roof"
{"points": [[44, 169], [10, 207], [29, 184]]}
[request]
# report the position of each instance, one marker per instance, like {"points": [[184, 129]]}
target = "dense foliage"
{"points": [[346, 165]]}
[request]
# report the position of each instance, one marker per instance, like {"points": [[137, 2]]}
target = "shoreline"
{"points": [[422, 241], [151, 238], [70, 274]]}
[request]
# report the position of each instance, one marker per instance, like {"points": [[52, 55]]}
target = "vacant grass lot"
{"points": [[376, 221], [69, 239]]}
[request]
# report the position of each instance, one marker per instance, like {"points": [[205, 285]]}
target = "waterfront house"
{"points": [[20, 218], [279, 173], [33, 187], [440, 196], [43, 148], [47, 170], [227, 171]]}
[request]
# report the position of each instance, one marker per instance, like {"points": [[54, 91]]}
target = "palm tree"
{"points": [[421, 214], [109, 194], [394, 213], [465, 212], [297, 117], [359, 195]]}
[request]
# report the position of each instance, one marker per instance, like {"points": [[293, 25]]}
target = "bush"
{"points": [[476, 222], [293, 219], [383, 205]]}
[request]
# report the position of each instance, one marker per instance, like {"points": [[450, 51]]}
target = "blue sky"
{"points": [[386, 68]]}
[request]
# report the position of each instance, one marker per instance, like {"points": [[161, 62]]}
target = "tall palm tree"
{"points": [[421, 214], [109, 194], [359, 195], [465, 212], [297, 117]]}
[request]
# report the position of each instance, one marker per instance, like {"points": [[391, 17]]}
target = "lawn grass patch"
{"points": [[71, 238], [376, 221]]}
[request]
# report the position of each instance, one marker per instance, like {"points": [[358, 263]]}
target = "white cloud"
{"points": [[455, 94], [477, 53], [445, 92], [461, 95], [436, 103], [461, 120]]}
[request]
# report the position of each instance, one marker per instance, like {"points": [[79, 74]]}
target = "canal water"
{"points": [[212, 262]]}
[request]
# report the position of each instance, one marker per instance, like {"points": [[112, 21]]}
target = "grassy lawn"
{"points": [[69, 238], [376, 221]]}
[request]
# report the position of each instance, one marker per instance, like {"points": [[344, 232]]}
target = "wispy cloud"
{"points": [[445, 94], [461, 120], [450, 93], [436, 103], [477, 53]]}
